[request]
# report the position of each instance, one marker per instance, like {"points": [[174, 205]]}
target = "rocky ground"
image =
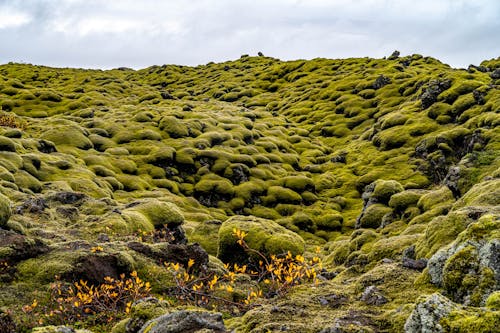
{"points": [[384, 171]]}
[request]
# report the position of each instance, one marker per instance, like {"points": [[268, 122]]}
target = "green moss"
{"points": [[441, 231], [477, 320], [329, 221], [384, 189], [7, 144], [68, 135], [5, 210], [493, 300], [173, 127], [44, 268], [160, 213], [401, 201], [339, 251], [303, 221], [218, 185], [27, 182], [392, 120], [263, 212], [132, 183], [280, 194], [392, 247], [298, 183], [373, 215], [263, 235], [434, 198], [390, 139], [486, 193]]}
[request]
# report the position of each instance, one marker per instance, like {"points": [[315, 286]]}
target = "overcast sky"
{"points": [[140, 33]]}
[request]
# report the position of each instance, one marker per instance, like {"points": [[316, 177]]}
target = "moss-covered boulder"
{"points": [[7, 144], [384, 189], [436, 313], [68, 135], [373, 215], [5, 210], [486, 193], [402, 200], [438, 197], [264, 236], [442, 230], [469, 268], [160, 213], [75, 265]]}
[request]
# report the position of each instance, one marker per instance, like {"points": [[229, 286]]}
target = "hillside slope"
{"points": [[388, 169]]}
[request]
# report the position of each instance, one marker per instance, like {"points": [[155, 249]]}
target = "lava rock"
{"points": [[186, 321], [381, 81], [68, 197], [435, 87], [7, 324], [175, 253], [452, 181], [68, 212], [35, 205], [394, 55], [333, 300], [427, 314], [495, 74], [482, 69], [479, 97], [373, 296], [20, 247], [46, 147], [469, 269], [418, 265], [166, 95], [95, 267]]}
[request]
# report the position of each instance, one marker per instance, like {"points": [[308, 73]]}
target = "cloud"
{"points": [[11, 18], [106, 34]]}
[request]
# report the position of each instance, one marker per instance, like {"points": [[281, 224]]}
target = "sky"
{"points": [[140, 33]]}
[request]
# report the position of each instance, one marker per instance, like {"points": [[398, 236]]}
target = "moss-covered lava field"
{"points": [[384, 173]]}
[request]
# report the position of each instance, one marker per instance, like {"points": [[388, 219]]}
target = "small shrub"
{"points": [[9, 120], [273, 276], [98, 304]]}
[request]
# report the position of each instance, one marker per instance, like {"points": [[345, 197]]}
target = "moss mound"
{"points": [[264, 236], [5, 210]]}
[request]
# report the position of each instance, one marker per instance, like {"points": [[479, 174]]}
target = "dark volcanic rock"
{"points": [[21, 247], [68, 197], [495, 74], [175, 253], [95, 267], [381, 81], [35, 205], [435, 87], [451, 180], [46, 147], [333, 300], [7, 324], [418, 265], [68, 212], [394, 55]]}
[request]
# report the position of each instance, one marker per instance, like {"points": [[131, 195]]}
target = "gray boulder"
{"points": [[469, 268], [186, 321], [427, 314]]}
